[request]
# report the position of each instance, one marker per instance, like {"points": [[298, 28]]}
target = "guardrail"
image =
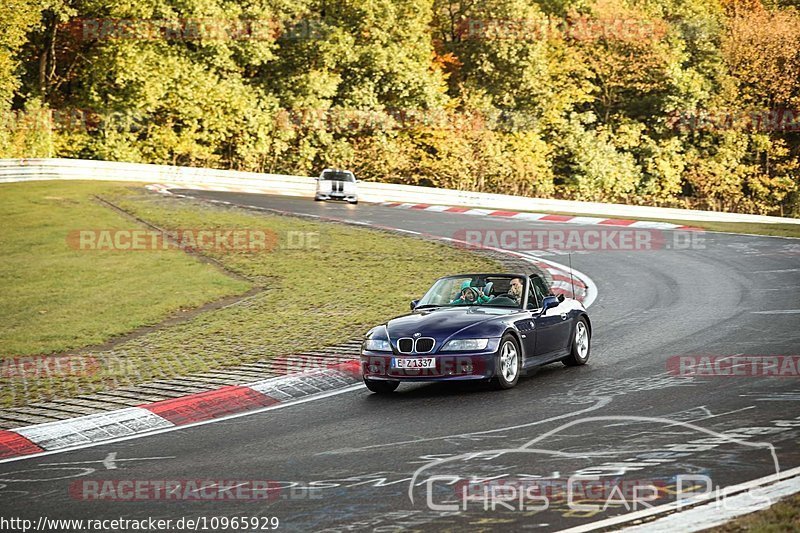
{"points": [[12, 170]]}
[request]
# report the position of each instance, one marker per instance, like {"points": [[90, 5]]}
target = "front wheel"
{"points": [[508, 364], [580, 345], [380, 386]]}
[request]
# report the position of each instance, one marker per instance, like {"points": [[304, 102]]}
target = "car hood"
{"points": [[441, 323], [343, 186]]}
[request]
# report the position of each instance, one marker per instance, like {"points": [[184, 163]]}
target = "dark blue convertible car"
{"points": [[477, 327]]}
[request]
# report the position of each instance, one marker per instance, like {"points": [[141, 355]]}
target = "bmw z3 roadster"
{"points": [[477, 327]]}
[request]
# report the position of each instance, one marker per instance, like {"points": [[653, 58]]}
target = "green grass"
{"points": [[54, 297], [314, 297], [779, 518], [775, 230]]}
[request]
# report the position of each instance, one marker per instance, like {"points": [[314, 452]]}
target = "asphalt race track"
{"points": [[346, 462]]}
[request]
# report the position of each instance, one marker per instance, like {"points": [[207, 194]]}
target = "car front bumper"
{"points": [[450, 367], [336, 196]]}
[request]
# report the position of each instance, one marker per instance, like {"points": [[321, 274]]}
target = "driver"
{"points": [[515, 290], [470, 295]]}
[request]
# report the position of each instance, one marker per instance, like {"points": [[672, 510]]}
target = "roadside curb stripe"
{"points": [[164, 188], [13, 444], [542, 217], [327, 376], [556, 218], [92, 428], [297, 386], [698, 507], [207, 405], [616, 222], [561, 277]]}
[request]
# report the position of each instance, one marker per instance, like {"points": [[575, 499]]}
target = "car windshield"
{"points": [[338, 176], [479, 289]]}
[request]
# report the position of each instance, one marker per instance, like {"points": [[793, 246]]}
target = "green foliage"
{"points": [[598, 170], [16, 17], [27, 132], [589, 99]]}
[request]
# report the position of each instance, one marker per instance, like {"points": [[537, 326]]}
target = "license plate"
{"points": [[417, 362]]}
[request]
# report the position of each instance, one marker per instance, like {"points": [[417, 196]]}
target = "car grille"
{"points": [[421, 345], [405, 345], [424, 345]]}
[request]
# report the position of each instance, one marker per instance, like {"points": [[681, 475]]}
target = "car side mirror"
{"points": [[414, 304], [548, 302]]}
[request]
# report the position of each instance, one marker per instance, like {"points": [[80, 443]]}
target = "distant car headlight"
{"points": [[466, 345], [377, 345]]}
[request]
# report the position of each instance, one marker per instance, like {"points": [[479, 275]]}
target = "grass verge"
{"points": [[779, 518], [323, 283], [54, 297]]}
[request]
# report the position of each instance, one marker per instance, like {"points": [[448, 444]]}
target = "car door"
{"points": [[553, 325], [527, 330], [562, 327], [547, 326], [527, 326]]}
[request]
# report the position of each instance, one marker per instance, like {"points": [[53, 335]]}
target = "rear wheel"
{"points": [[508, 364], [580, 345], [381, 386]]}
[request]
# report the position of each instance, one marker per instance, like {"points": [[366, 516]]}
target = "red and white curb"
{"points": [[538, 217], [191, 409], [164, 188]]}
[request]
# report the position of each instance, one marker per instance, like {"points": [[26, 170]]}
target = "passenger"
{"points": [[470, 295]]}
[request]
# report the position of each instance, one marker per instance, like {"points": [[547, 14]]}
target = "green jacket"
{"points": [[481, 299]]}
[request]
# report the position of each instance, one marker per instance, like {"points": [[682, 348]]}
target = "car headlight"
{"points": [[377, 345], [466, 344]]}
